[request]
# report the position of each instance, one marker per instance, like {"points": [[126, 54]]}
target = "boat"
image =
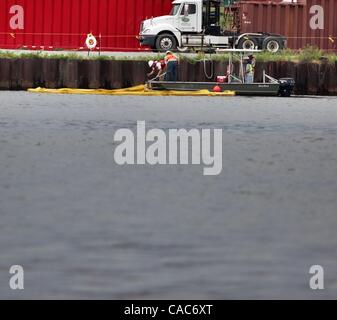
{"points": [[283, 87], [268, 87]]}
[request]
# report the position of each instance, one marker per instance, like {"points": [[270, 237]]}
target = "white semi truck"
{"points": [[195, 25]]}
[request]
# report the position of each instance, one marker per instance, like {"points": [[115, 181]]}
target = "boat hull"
{"points": [[254, 89]]}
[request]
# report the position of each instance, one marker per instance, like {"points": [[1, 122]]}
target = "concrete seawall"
{"points": [[21, 74]]}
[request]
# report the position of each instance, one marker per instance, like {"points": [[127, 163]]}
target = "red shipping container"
{"points": [[65, 24], [305, 23]]}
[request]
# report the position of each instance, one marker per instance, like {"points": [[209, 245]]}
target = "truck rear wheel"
{"points": [[272, 44], [166, 42], [247, 43]]}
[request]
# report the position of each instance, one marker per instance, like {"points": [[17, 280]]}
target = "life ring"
{"points": [[91, 42]]}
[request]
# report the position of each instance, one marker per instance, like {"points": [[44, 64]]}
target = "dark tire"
{"points": [[247, 43], [272, 44], [166, 42]]}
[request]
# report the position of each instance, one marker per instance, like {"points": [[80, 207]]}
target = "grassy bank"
{"points": [[308, 54]]}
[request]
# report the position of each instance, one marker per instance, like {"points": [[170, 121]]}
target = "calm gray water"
{"points": [[82, 227]]}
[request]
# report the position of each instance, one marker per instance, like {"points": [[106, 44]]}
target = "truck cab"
{"points": [[189, 17], [195, 24]]}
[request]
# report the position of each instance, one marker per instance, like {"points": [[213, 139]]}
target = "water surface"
{"points": [[83, 227]]}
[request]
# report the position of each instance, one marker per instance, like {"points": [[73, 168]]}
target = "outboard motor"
{"points": [[287, 86]]}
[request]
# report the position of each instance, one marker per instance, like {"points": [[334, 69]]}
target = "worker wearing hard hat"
{"points": [[172, 67], [157, 69]]}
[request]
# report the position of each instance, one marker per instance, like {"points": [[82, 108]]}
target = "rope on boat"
{"points": [[209, 77], [158, 76]]}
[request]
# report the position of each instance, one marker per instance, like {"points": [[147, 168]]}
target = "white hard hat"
{"points": [[151, 63]]}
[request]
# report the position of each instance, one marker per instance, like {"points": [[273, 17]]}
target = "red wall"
{"points": [[64, 24]]}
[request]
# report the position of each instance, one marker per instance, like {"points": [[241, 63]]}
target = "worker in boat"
{"points": [[172, 67], [253, 60], [157, 69], [249, 72]]}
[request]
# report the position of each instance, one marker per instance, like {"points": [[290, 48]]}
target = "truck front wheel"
{"points": [[166, 42]]}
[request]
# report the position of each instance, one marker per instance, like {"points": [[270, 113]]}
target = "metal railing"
{"points": [[267, 77]]}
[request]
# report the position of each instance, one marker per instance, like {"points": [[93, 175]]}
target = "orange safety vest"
{"points": [[171, 57]]}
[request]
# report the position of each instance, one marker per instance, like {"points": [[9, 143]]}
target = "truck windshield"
{"points": [[175, 9]]}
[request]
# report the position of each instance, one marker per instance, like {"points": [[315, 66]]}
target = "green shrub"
{"points": [[310, 53]]}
